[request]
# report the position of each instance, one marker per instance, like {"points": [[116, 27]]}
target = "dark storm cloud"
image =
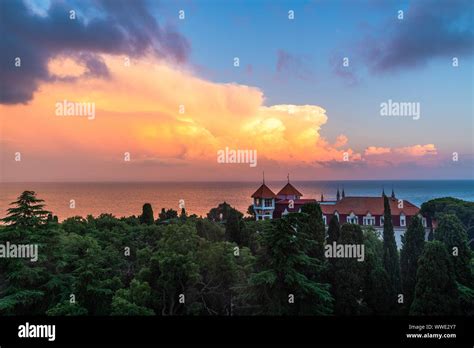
{"points": [[430, 29], [123, 27]]}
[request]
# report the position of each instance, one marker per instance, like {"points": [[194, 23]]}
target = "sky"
{"points": [[168, 95]]}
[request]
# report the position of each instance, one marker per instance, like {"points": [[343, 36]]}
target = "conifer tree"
{"points": [[412, 246], [147, 214], [390, 253], [451, 232], [28, 211], [435, 291], [348, 275], [316, 231], [333, 230]]}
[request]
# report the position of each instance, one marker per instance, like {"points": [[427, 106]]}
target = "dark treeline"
{"points": [[227, 264]]}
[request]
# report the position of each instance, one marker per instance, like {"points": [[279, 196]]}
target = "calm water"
{"points": [[125, 199]]}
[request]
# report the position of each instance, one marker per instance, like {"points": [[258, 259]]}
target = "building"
{"points": [[268, 205], [364, 211]]}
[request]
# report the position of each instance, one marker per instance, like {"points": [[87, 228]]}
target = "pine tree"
{"points": [[412, 246], [435, 291], [28, 211], [147, 214], [282, 272], [451, 232], [390, 252]]}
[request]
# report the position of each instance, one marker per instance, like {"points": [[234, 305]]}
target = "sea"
{"points": [[127, 198]]}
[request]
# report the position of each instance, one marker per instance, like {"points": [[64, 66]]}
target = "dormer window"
{"points": [[352, 219], [403, 220], [368, 220]]}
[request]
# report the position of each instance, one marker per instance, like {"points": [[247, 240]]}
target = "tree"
{"points": [[28, 211], [251, 212], [183, 214], [435, 291], [281, 285], [376, 288], [412, 246], [222, 212], [390, 253], [233, 228], [348, 275], [333, 230], [147, 214], [451, 232], [464, 210], [132, 301], [316, 231]]}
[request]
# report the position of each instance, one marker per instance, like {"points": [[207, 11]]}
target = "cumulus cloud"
{"points": [[115, 27]]}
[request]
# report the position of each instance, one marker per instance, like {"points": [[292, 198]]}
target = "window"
{"points": [[369, 220], [268, 202], [352, 219], [403, 221], [382, 219], [325, 220], [423, 221]]}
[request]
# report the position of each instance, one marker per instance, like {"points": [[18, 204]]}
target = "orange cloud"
{"points": [[165, 115], [374, 150]]}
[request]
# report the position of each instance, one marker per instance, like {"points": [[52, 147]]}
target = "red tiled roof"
{"points": [[263, 192], [372, 205], [289, 189]]}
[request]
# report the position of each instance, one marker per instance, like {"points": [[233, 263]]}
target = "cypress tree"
{"points": [[147, 214], [435, 291], [451, 232], [390, 252], [316, 231], [412, 246], [333, 230], [348, 275]]}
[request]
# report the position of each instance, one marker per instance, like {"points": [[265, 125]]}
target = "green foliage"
{"points": [[316, 231], [376, 288], [222, 212], [413, 242], [333, 230], [436, 292], [464, 210], [228, 266], [451, 232], [348, 278], [27, 212], [284, 269], [390, 253], [147, 214]]}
